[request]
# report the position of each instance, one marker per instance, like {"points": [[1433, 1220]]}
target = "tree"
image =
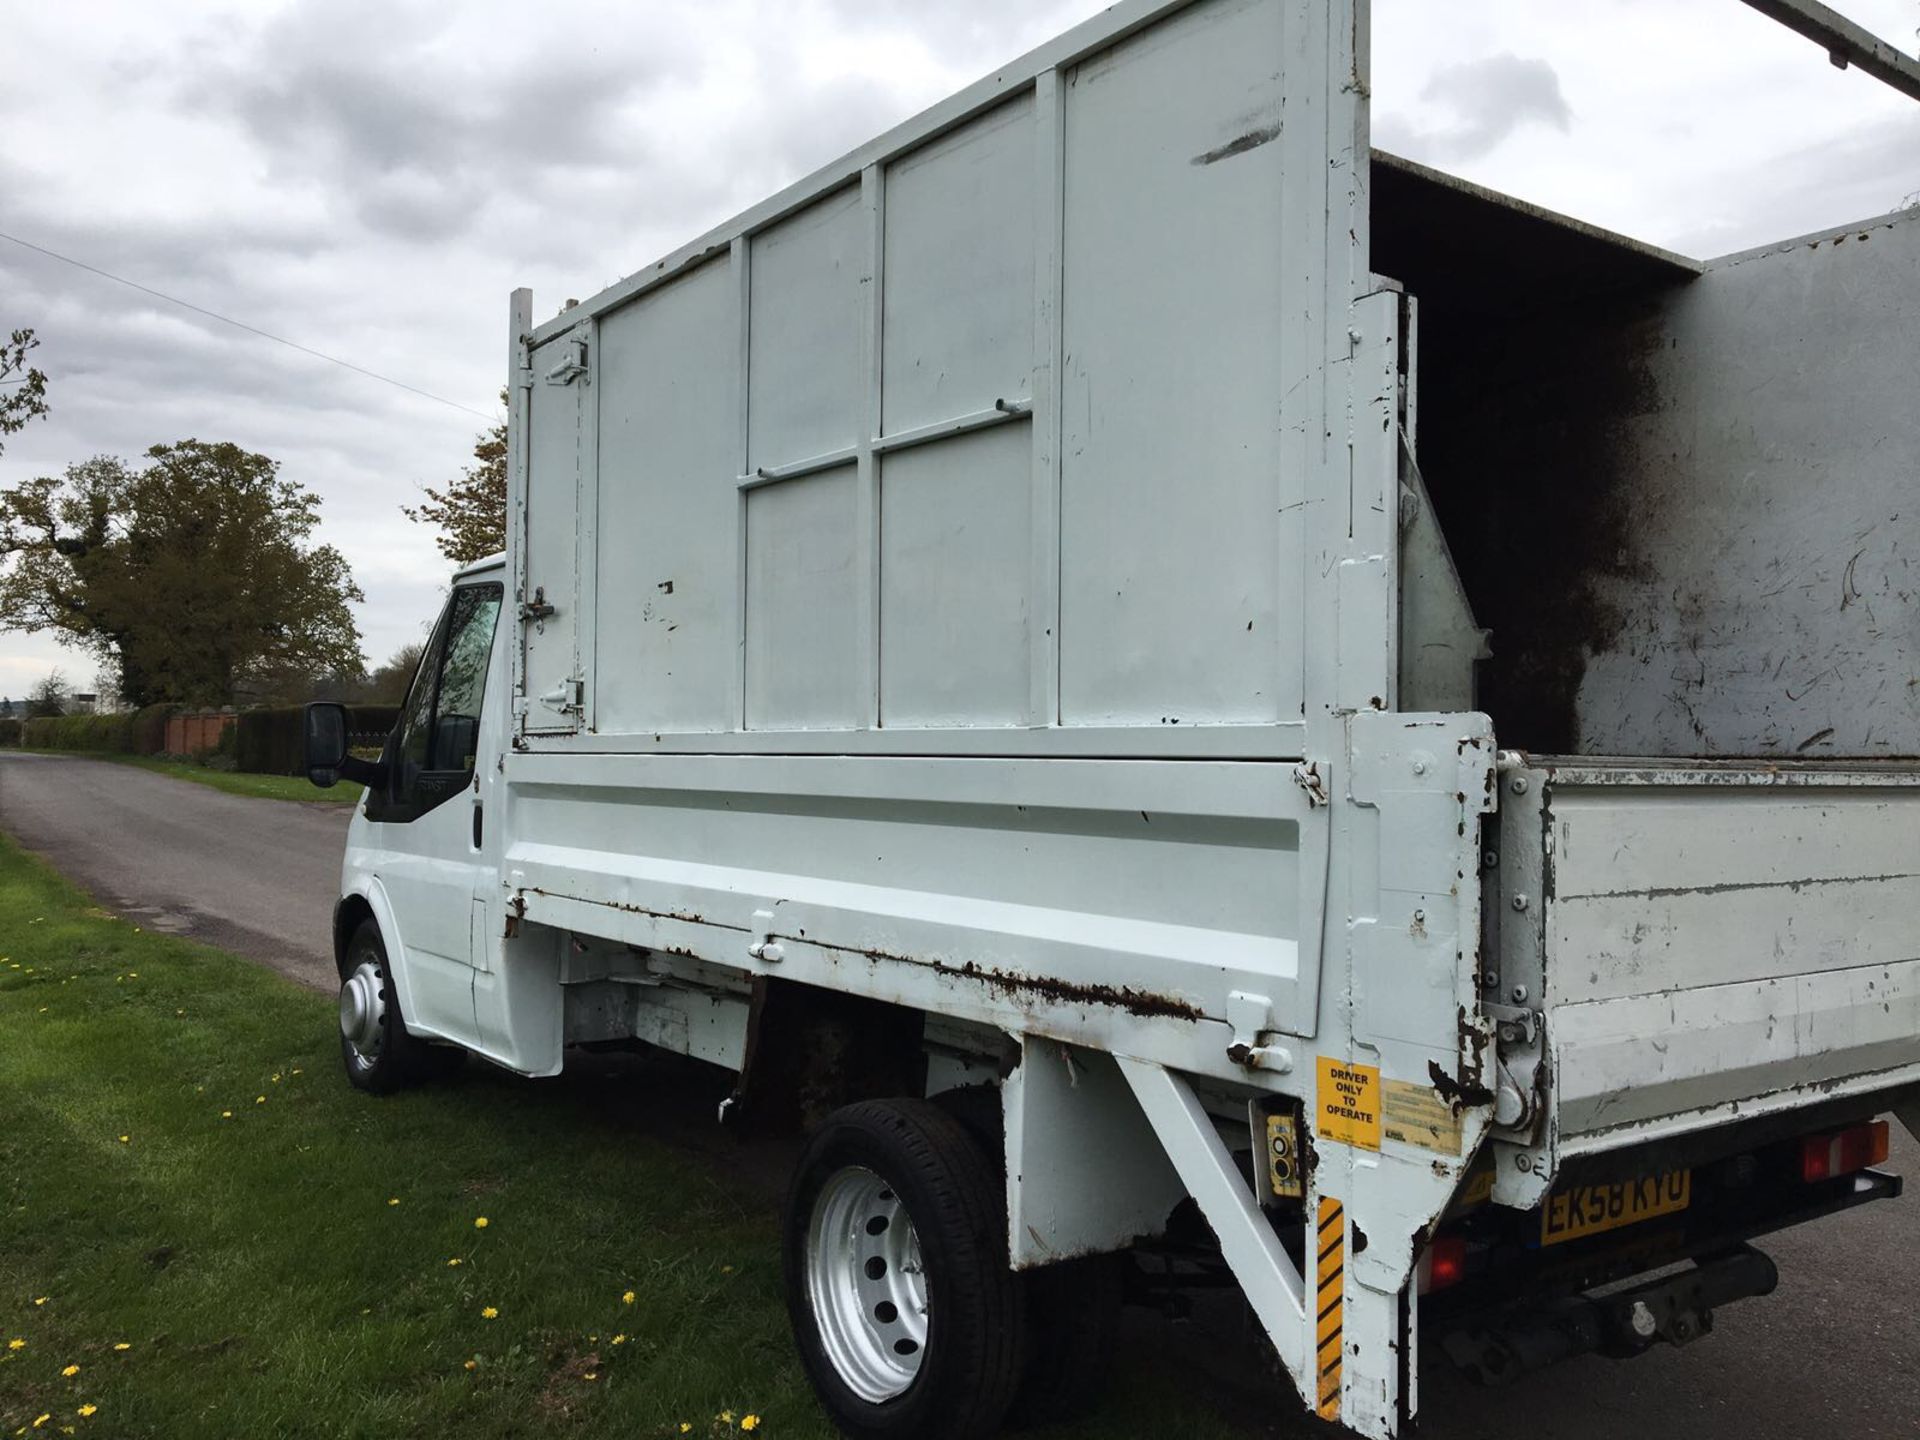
{"points": [[48, 697], [472, 510], [193, 576], [23, 390], [388, 684]]}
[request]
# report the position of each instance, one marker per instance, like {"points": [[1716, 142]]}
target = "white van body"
{"points": [[1023, 577]]}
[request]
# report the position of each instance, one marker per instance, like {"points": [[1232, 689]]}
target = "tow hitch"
{"points": [[1619, 1322]]}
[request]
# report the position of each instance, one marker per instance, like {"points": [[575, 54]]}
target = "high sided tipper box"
{"points": [[1077, 651]]}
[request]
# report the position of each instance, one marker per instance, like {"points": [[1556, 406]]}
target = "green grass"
{"points": [[266, 787], [185, 1172]]}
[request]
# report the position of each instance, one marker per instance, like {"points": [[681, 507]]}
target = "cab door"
{"points": [[428, 828]]}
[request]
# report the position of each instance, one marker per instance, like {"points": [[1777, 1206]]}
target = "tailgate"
{"points": [[1702, 942]]}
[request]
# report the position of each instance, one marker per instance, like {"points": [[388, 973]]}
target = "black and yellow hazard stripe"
{"points": [[1330, 1286]]}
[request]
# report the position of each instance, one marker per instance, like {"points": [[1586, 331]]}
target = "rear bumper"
{"points": [[1621, 1293]]}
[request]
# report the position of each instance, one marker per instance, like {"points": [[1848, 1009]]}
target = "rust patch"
{"points": [[686, 916], [1458, 1092], [1122, 997], [1468, 1088]]}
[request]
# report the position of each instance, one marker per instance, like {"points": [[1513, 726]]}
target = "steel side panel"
{"points": [[1026, 889], [1711, 947]]}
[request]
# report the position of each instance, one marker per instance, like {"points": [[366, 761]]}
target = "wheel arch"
{"points": [[369, 902]]}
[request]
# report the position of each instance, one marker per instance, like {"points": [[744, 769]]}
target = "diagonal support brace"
{"points": [[1272, 1282]]}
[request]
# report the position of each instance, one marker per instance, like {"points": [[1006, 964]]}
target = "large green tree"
{"points": [[471, 511], [23, 389], [193, 575]]}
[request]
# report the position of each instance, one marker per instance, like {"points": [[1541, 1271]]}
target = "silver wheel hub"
{"points": [[866, 1284], [363, 1011]]}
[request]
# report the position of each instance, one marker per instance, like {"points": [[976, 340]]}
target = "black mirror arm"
{"points": [[370, 773]]}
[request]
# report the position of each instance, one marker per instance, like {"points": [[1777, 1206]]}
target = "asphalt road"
{"points": [[257, 877], [1834, 1352]]}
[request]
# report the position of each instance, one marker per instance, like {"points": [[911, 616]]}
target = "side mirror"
{"points": [[326, 741]]}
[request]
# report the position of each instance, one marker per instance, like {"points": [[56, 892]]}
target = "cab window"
{"points": [[439, 733]]}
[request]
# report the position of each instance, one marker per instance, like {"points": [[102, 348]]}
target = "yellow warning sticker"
{"points": [[1349, 1103], [1415, 1115]]}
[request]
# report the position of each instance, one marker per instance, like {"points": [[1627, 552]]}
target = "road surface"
{"points": [[257, 877], [1834, 1352]]}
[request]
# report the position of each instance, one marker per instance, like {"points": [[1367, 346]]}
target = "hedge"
{"points": [[273, 741], [137, 732], [9, 730]]}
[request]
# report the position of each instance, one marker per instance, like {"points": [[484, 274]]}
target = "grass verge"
{"points": [[234, 782], [205, 1231]]}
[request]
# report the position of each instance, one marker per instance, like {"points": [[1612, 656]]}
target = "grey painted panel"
{"points": [[1171, 483], [552, 561], [805, 340], [1771, 600], [669, 510], [801, 666], [954, 576], [958, 330]]}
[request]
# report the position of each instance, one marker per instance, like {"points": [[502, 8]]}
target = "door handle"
{"points": [[476, 824]]}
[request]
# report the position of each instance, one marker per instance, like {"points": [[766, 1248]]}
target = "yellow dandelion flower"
{"points": [[471, 1364], [71, 1371], [259, 1099], [41, 1300], [121, 1345], [591, 1375], [276, 1079], [619, 1339], [126, 1139], [480, 1223], [593, 1339], [226, 1114], [296, 1070], [454, 1261], [685, 1427], [726, 1269], [490, 1313], [395, 1200], [726, 1417], [88, 1409], [749, 1422], [16, 1344], [40, 1420], [627, 1299]]}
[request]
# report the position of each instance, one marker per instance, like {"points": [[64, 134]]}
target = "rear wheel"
{"points": [[378, 1053], [908, 1320]]}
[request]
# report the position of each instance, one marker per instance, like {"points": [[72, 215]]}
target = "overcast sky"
{"points": [[372, 179]]}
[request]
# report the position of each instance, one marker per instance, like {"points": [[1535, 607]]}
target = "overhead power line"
{"points": [[242, 325]]}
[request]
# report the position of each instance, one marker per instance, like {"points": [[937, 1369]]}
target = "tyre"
{"points": [[908, 1321], [378, 1053], [1072, 1307]]}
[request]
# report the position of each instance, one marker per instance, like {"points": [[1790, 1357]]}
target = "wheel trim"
{"points": [[363, 1013], [866, 1284]]}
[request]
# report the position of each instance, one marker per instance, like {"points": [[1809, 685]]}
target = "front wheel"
{"points": [[894, 1246], [375, 1048]]}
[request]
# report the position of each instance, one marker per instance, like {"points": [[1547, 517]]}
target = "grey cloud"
{"points": [[1489, 99]]}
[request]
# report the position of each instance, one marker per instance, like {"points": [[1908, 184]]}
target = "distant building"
{"points": [[82, 702]]}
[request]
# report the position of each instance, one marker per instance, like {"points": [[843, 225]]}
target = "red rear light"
{"points": [[1822, 1157], [1446, 1263]]}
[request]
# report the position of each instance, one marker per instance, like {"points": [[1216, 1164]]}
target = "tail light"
{"points": [[1444, 1264], [1824, 1157]]}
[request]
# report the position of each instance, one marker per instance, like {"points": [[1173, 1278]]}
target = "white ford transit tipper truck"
{"points": [[1081, 651]]}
